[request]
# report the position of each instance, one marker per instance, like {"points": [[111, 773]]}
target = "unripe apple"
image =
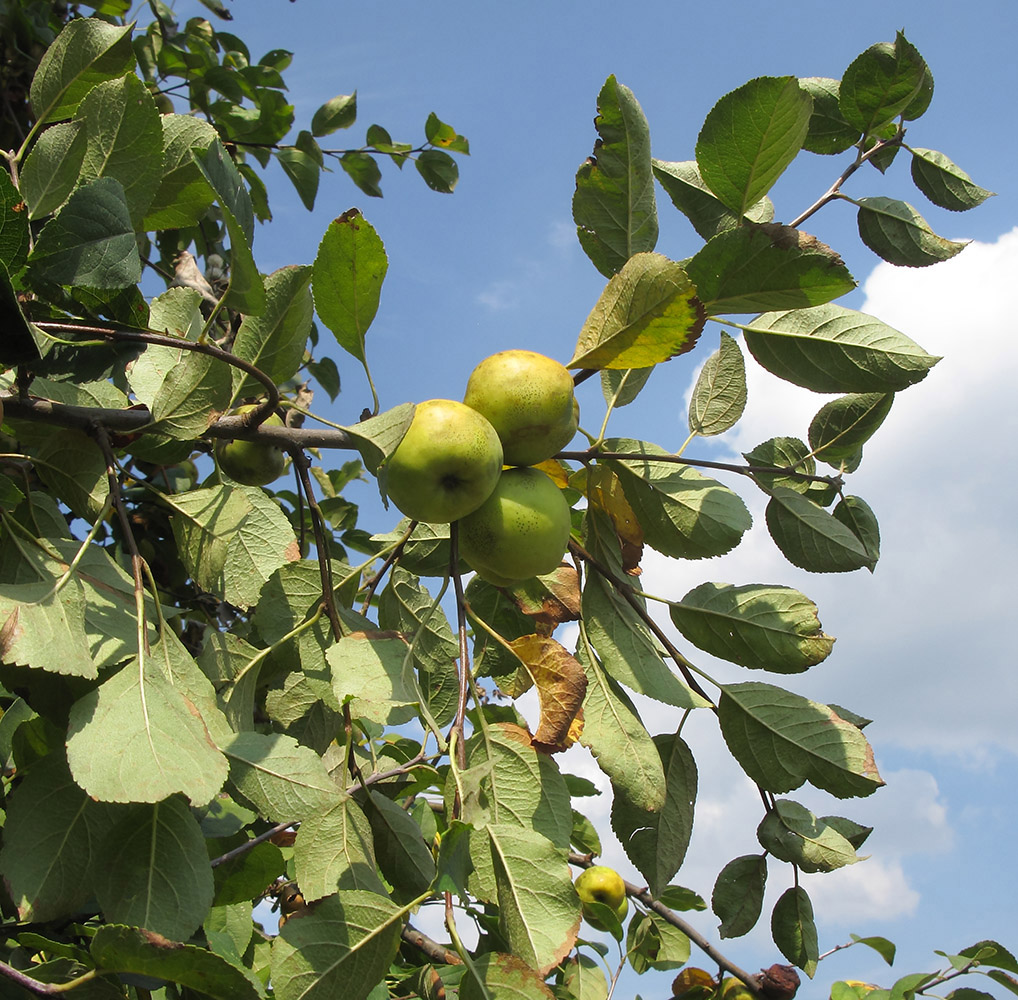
{"points": [[601, 884], [735, 989], [253, 463], [446, 465], [520, 531], [529, 400]]}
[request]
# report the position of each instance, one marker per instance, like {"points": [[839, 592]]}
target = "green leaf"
{"points": [[363, 170], [303, 164], [141, 952], [683, 514], [833, 349], [152, 870], [620, 387], [857, 516], [91, 242], [403, 857], [274, 341], [944, 182], [691, 196], [828, 133], [811, 538], [539, 911], [124, 140], [750, 136], [584, 978], [738, 894], [438, 169], [342, 947], [882, 83], [759, 626], [183, 195], [372, 672], [85, 53], [756, 268], [151, 730], [15, 237], [790, 832], [613, 205], [347, 282], [438, 133], [51, 170], [244, 878], [656, 840], [504, 977], [51, 830], [789, 454], [336, 113], [884, 948], [719, 396], [280, 778], [653, 943], [842, 426], [194, 393], [794, 931], [376, 439], [897, 232], [19, 342], [782, 740], [71, 465], [648, 313]]}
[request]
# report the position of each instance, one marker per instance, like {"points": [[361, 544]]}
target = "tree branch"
{"points": [[434, 951]]}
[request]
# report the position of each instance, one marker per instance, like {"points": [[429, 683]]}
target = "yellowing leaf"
{"points": [[561, 685]]}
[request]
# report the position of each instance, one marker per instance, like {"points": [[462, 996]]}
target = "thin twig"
{"points": [[369, 587], [435, 951]]}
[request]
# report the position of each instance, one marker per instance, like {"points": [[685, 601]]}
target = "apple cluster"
{"points": [[473, 463]]}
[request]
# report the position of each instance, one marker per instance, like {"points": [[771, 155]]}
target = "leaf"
{"points": [[91, 242], [882, 83], [243, 878], [19, 342], [620, 388], [613, 205], [738, 894], [944, 182], [51, 169], [141, 952], [51, 831], [828, 133], [341, 947], [653, 943], [336, 113], [790, 832], [833, 349], [856, 514], [842, 426], [750, 136], [438, 169], [539, 911], [372, 672], [376, 439], [152, 870], [183, 195], [756, 625], [561, 684], [719, 396], [363, 171], [504, 977], [124, 140], [348, 273], [691, 196], [303, 164], [794, 931], [811, 538], [656, 840], [193, 394], [683, 514], [899, 234], [759, 267], [85, 53], [648, 313], [884, 948], [438, 133], [403, 857], [274, 341], [584, 978], [283, 780], [782, 740]]}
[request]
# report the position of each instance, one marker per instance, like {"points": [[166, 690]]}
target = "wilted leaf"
{"points": [[561, 684]]}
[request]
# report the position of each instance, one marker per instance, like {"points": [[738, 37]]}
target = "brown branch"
{"points": [[30, 984], [435, 951]]}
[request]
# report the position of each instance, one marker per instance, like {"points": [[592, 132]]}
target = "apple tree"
{"points": [[223, 695]]}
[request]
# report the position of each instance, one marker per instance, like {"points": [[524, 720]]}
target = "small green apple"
{"points": [[601, 884], [520, 531], [529, 400], [252, 463], [446, 465]]}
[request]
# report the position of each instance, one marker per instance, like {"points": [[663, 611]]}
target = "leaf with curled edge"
{"points": [[561, 685], [550, 599]]}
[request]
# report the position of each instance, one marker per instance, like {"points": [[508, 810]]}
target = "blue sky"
{"points": [[924, 645]]}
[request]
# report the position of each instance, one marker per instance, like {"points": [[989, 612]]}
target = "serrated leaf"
{"points": [[336, 113], [833, 349], [897, 232], [613, 205], [152, 870], [750, 136], [794, 931], [193, 393], [857, 516], [51, 169], [648, 313], [691, 196], [183, 194], [341, 947], [782, 740], [719, 396], [842, 426], [738, 894], [376, 439], [944, 182], [828, 133], [372, 672], [505, 977], [71, 465], [348, 273], [759, 267], [403, 857], [882, 83], [91, 242], [790, 832], [811, 538], [758, 626]]}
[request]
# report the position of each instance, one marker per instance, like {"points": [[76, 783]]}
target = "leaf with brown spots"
{"points": [[561, 684]]}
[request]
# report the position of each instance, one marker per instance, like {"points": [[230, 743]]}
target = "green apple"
{"points": [[253, 463], [446, 465], [601, 884], [529, 400], [520, 531]]}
